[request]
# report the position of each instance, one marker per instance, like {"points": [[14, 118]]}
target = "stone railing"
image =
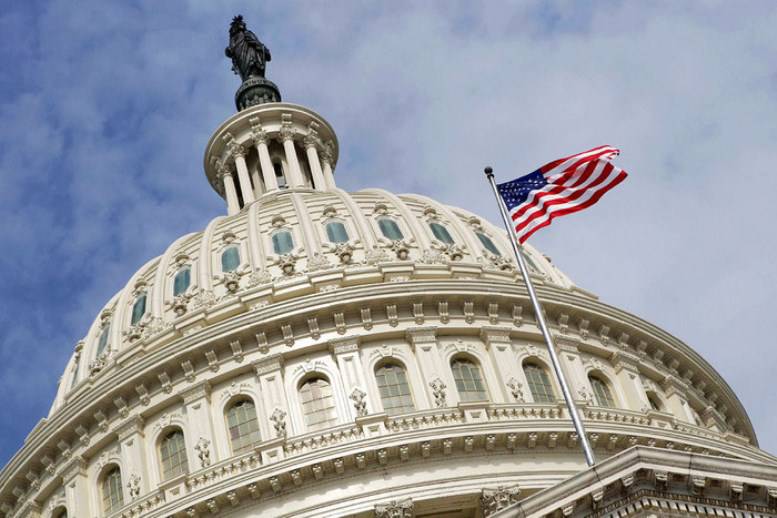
{"points": [[141, 506], [314, 441], [511, 412], [222, 470], [424, 419]]}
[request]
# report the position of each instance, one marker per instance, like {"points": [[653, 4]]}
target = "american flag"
{"points": [[561, 187]]}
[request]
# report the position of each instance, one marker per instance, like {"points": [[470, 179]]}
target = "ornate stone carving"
{"points": [[287, 263], [203, 452], [438, 391], [516, 389], [318, 262], [401, 249], [359, 402], [376, 255], [278, 419], [259, 277], [134, 486], [345, 252], [395, 509]]}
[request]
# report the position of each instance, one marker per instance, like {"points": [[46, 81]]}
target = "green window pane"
{"points": [[230, 259], [469, 380], [243, 426], [394, 389], [182, 280], [390, 229], [539, 384], [441, 233], [488, 244], [103, 342], [113, 498], [602, 394], [282, 242], [336, 232], [138, 309], [172, 450]]}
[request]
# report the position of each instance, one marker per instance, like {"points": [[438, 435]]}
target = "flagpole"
{"points": [[573, 413]]}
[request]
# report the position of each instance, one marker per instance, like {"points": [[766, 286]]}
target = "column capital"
{"points": [[623, 360], [287, 131], [76, 467], [395, 509], [233, 148], [258, 135], [270, 364], [202, 390], [327, 152], [344, 345], [131, 426], [495, 335], [421, 335]]}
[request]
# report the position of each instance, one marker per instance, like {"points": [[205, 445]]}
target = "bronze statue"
{"points": [[247, 53]]}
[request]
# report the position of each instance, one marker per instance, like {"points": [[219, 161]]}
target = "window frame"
{"points": [[135, 319], [111, 502], [405, 409], [229, 249], [546, 383], [437, 226], [183, 269], [255, 431], [392, 221], [278, 232], [461, 358], [342, 225], [607, 393], [182, 468], [333, 418], [485, 238]]}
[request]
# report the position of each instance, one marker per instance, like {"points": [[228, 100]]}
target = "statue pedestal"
{"points": [[256, 90]]}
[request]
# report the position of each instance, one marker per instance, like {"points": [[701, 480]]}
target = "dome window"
{"points": [[441, 233], [539, 383], [113, 498], [182, 281], [336, 232], [103, 342], [394, 389], [138, 309], [602, 395], [469, 380], [230, 259], [59, 513], [654, 401], [243, 426], [390, 229], [488, 244], [76, 368], [282, 242], [172, 451], [279, 176], [318, 403]]}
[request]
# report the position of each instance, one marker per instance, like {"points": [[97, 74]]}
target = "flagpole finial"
{"points": [[489, 171]]}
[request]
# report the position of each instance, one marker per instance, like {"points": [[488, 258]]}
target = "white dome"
{"points": [[318, 353]]}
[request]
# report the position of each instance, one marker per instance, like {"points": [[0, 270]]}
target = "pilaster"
{"points": [[346, 354], [200, 427], [133, 456], [76, 484], [269, 372], [437, 380], [500, 352], [629, 380]]}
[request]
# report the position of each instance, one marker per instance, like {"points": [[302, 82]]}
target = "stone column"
{"points": [[225, 175], [346, 353], [77, 488], [438, 383], [326, 164], [275, 408], [287, 136], [257, 181], [238, 154], [499, 347], [265, 164], [133, 456], [311, 148], [631, 384], [200, 428]]}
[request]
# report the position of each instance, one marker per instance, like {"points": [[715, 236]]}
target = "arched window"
{"points": [[469, 380], [230, 259], [530, 262], [243, 426], [394, 389], [59, 512], [138, 309], [113, 498], [539, 383], [282, 242], [655, 402], [182, 280], [318, 403], [441, 233], [172, 451], [279, 176], [602, 395], [102, 343], [336, 232], [390, 229], [488, 244]]}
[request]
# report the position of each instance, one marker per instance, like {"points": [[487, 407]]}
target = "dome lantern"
{"points": [[268, 146]]}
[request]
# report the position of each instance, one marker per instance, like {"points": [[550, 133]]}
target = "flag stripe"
{"points": [[580, 206], [560, 187]]}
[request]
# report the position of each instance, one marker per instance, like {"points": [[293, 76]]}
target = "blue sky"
{"points": [[106, 108]]}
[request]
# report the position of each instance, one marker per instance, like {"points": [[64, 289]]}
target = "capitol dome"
{"points": [[320, 353]]}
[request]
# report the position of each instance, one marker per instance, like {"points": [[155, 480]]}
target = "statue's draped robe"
{"points": [[249, 55]]}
